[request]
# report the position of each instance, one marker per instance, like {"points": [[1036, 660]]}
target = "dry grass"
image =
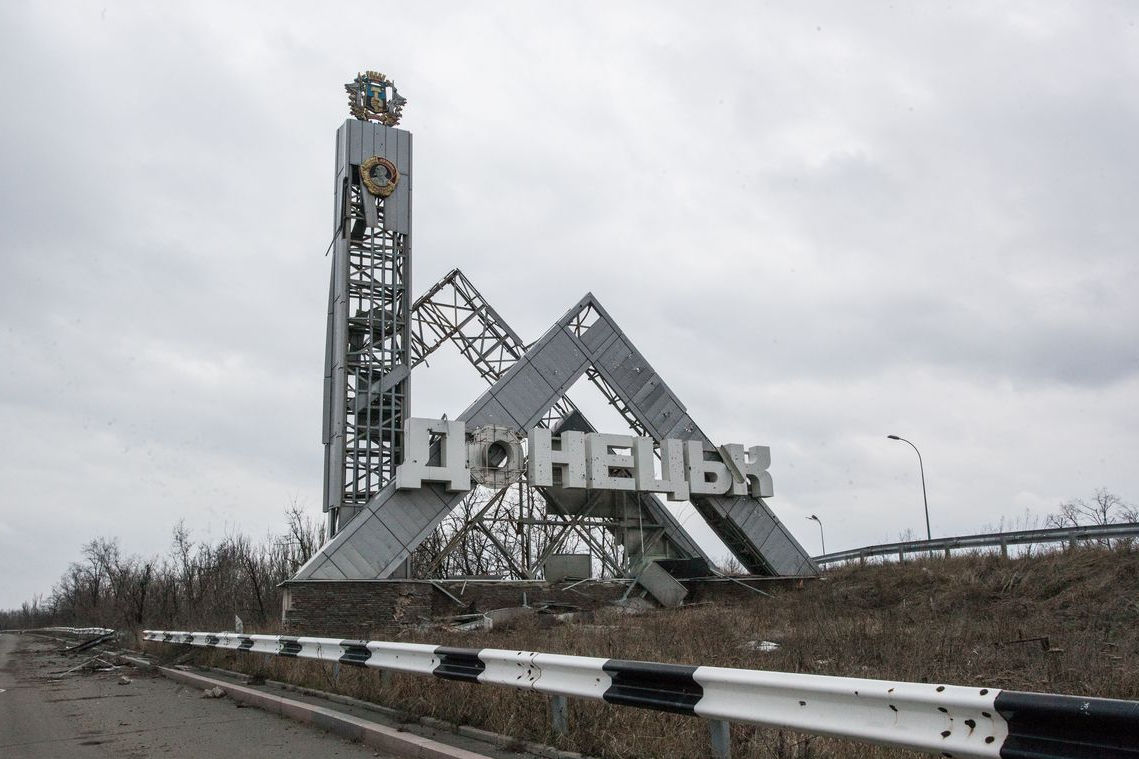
{"points": [[944, 620]]}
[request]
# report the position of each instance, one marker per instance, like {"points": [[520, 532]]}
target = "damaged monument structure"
{"points": [[393, 483]]}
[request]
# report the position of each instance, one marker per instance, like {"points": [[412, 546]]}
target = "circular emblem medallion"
{"points": [[379, 175]]}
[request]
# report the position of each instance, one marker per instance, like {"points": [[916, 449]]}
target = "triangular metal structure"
{"points": [[381, 537], [453, 310]]}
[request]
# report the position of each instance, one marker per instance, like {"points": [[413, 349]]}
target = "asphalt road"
{"points": [[44, 714]]}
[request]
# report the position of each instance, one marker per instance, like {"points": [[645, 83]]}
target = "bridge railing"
{"points": [[1070, 535], [949, 720]]}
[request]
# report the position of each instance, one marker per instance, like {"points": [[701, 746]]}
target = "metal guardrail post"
{"points": [[721, 733], [559, 714]]}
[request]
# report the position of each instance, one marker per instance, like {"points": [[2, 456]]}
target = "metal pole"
{"points": [[559, 713], [721, 734], [921, 468], [821, 538]]}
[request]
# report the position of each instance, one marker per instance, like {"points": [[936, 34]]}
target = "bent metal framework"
{"points": [[390, 480]]}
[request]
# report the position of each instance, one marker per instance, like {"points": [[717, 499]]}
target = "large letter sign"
{"points": [[595, 461]]}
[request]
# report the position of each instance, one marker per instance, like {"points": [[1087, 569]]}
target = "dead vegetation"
{"points": [[1063, 622]]}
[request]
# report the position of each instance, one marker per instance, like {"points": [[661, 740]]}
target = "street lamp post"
{"points": [[821, 538], [921, 468]]}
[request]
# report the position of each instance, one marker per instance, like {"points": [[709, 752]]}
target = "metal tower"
{"points": [[369, 305]]}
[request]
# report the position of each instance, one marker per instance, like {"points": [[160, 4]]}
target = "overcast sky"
{"points": [[822, 223]]}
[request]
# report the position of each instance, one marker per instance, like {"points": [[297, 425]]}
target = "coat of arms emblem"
{"points": [[373, 97]]}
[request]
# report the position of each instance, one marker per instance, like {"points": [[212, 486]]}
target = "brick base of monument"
{"points": [[382, 609]]}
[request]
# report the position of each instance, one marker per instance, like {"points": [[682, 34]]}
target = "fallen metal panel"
{"points": [[566, 566], [661, 585]]}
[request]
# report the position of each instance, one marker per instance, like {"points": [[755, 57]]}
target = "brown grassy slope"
{"points": [[936, 620]]}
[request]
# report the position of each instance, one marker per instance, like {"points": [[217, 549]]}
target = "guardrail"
{"points": [[79, 630], [64, 630], [950, 720], [1070, 535]]}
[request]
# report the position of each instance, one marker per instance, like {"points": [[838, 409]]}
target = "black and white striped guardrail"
{"points": [[949, 720]]}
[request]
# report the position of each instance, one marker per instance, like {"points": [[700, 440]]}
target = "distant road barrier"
{"points": [[78, 630], [65, 630], [1070, 535], [949, 720]]}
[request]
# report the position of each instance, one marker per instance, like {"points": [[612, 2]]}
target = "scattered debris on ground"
{"points": [[764, 646]]}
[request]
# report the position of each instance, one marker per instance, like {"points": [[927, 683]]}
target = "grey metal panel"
{"points": [[326, 416], [355, 142], [595, 338], [758, 524], [625, 368], [377, 140], [525, 395], [684, 428], [397, 207], [779, 551], [661, 585], [565, 566], [487, 410], [326, 570], [405, 516], [374, 542], [349, 561], [652, 394], [559, 360]]}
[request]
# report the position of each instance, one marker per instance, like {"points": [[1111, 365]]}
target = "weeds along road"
{"points": [[90, 714]]}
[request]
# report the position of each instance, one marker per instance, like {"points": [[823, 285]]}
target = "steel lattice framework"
{"points": [[367, 356]]}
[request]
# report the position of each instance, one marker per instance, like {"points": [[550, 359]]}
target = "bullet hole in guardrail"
{"points": [[946, 733], [893, 708], [943, 710], [971, 723], [989, 739], [986, 715], [984, 691], [890, 691], [940, 688], [802, 703]]}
